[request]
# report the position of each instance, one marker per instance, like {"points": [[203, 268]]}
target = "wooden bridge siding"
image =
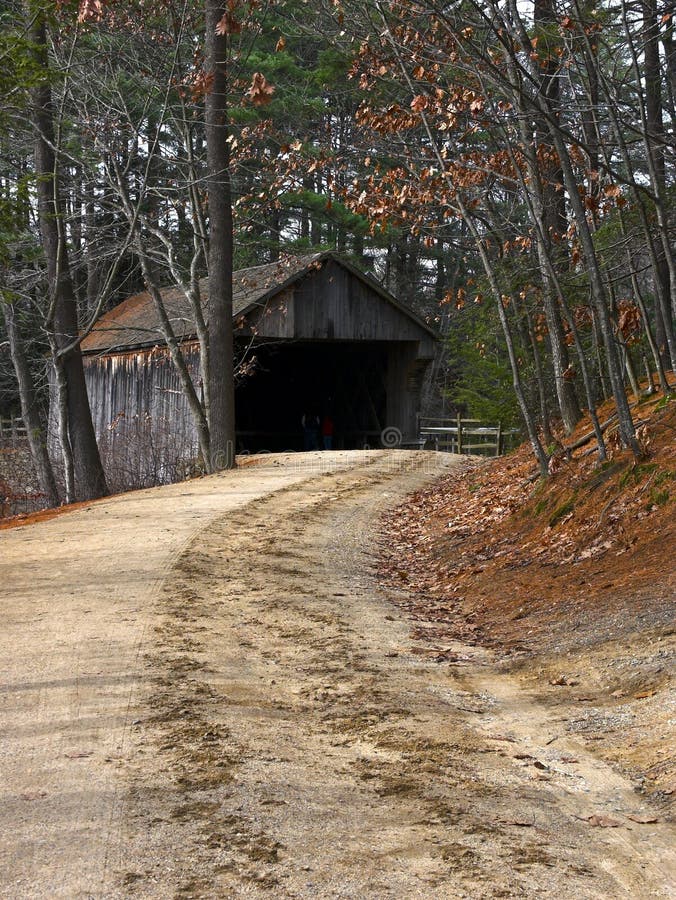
{"points": [[126, 387], [275, 319], [405, 373], [333, 305]]}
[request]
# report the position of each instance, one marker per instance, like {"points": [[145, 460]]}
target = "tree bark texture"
{"points": [[30, 410], [554, 222], [90, 480], [221, 364], [613, 362], [655, 138]]}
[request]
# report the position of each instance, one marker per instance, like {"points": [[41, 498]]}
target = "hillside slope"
{"points": [[570, 582]]}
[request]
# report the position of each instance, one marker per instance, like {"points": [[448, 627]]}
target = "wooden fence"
{"points": [[19, 492], [460, 435], [12, 430]]}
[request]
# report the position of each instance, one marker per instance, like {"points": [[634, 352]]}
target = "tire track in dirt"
{"points": [[79, 604], [293, 746]]}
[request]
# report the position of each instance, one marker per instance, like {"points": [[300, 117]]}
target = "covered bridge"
{"points": [[314, 335]]}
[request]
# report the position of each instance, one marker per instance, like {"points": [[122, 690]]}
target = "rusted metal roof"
{"points": [[134, 323]]}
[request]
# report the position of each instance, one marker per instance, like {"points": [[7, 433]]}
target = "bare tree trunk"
{"points": [[647, 326], [553, 210], [274, 231], [600, 365], [61, 399], [30, 410], [540, 381], [221, 364], [528, 418], [358, 247], [655, 138], [669, 45], [400, 266], [93, 247], [440, 275], [304, 213], [625, 422], [598, 292], [652, 132], [316, 236], [62, 322], [469, 221], [552, 282], [177, 358]]}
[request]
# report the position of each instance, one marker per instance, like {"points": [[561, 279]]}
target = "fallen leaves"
{"points": [[442, 655], [474, 562], [477, 543], [563, 681], [601, 821]]}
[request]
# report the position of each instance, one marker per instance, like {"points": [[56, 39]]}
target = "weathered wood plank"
{"points": [[333, 305]]}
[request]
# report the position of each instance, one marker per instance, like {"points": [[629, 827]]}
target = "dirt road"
{"points": [[205, 693]]}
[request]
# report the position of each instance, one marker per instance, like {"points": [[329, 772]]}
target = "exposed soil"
{"points": [[571, 583], [209, 695]]}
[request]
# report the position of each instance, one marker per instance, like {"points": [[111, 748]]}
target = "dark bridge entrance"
{"points": [[345, 380]]}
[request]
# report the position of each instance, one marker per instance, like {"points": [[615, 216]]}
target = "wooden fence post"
{"points": [[498, 440], [12, 429], [459, 419]]}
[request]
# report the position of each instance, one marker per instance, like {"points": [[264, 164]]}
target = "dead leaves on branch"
{"points": [[234, 16], [201, 83], [228, 24], [90, 11], [260, 92], [629, 320]]}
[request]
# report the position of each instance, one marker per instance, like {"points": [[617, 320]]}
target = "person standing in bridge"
{"points": [[327, 432], [311, 426]]}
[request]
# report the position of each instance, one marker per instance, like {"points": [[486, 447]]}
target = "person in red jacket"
{"points": [[327, 432]]}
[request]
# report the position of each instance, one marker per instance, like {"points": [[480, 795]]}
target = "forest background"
{"points": [[507, 168]]}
